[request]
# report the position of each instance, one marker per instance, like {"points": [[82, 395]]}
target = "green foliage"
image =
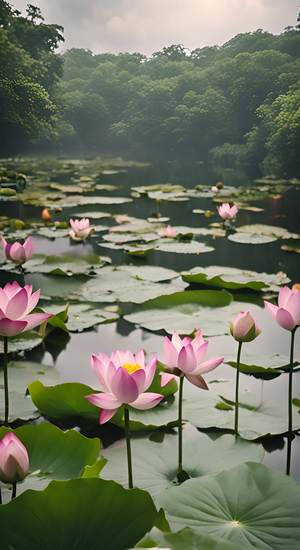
{"points": [[234, 106]]}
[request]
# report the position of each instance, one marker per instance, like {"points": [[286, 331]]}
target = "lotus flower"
{"points": [[187, 357], [214, 189], [124, 377], [14, 461], [287, 313], [17, 252], [46, 215], [168, 231], [80, 229], [244, 328], [227, 212], [16, 304]]}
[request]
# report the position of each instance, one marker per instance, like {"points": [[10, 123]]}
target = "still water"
{"points": [[71, 356]]}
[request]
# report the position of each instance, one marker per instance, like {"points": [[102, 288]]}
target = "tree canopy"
{"points": [[235, 105]]}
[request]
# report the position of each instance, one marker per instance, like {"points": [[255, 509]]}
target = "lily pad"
{"points": [[233, 278], [155, 464], [115, 284], [268, 230], [176, 247], [250, 505], [64, 265], [82, 316], [79, 200], [22, 342], [35, 520], [152, 273], [184, 312], [251, 238], [42, 442]]}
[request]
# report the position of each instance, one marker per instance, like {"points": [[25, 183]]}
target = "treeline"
{"points": [[234, 106]]}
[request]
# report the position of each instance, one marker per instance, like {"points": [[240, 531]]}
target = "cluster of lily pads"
{"points": [[167, 485]]}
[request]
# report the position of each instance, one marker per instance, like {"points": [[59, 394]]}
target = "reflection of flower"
{"points": [[168, 232], [80, 229], [287, 313], [16, 304], [227, 212], [186, 358], [14, 461], [124, 378], [244, 328], [17, 252]]}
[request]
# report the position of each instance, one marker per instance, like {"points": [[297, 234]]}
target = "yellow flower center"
{"points": [[131, 367]]}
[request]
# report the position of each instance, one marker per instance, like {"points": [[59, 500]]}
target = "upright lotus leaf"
{"points": [[63, 401], [185, 539], [54, 454], [155, 464], [78, 514], [250, 505]]}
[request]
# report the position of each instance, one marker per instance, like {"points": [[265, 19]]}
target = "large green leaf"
{"points": [[64, 265], [233, 278], [186, 311], [54, 454], [155, 464], [114, 284], [63, 401], [22, 342], [81, 514], [186, 539], [20, 374], [250, 505]]}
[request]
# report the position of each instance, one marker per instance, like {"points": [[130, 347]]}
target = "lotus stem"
{"points": [[237, 378], [5, 374], [179, 470], [0, 496], [128, 446], [14, 491], [290, 405]]}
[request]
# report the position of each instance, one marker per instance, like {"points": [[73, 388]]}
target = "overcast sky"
{"points": [[148, 25]]}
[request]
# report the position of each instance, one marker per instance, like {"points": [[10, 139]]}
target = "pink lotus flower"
{"points": [[17, 252], [227, 212], [287, 313], [244, 327], [16, 304], [214, 189], [168, 231], [80, 229], [186, 357], [124, 378], [14, 461]]}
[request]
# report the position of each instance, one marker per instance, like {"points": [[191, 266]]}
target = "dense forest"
{"points": [[233, 106]]}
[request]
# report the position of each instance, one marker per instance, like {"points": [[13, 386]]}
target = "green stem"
{"points": [[237, 378], [290, 405], [14, 491], [128, 446], [179, 470], [6, 395]]}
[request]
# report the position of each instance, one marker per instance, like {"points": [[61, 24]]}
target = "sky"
{"points": [[148, 25]]}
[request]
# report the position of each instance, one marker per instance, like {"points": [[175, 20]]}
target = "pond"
{"points": [[127, 286]]}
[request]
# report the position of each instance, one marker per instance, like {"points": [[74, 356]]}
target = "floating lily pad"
{"points": [[22, 342], [155, 464], [233, 278], [176, 247], [66, 515], [152, 273], [250, 505], [114, 284], [64, 265], [185, 311], [268, 230], [83, 316], [42, 442], [79, 200], [251, 238]]}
